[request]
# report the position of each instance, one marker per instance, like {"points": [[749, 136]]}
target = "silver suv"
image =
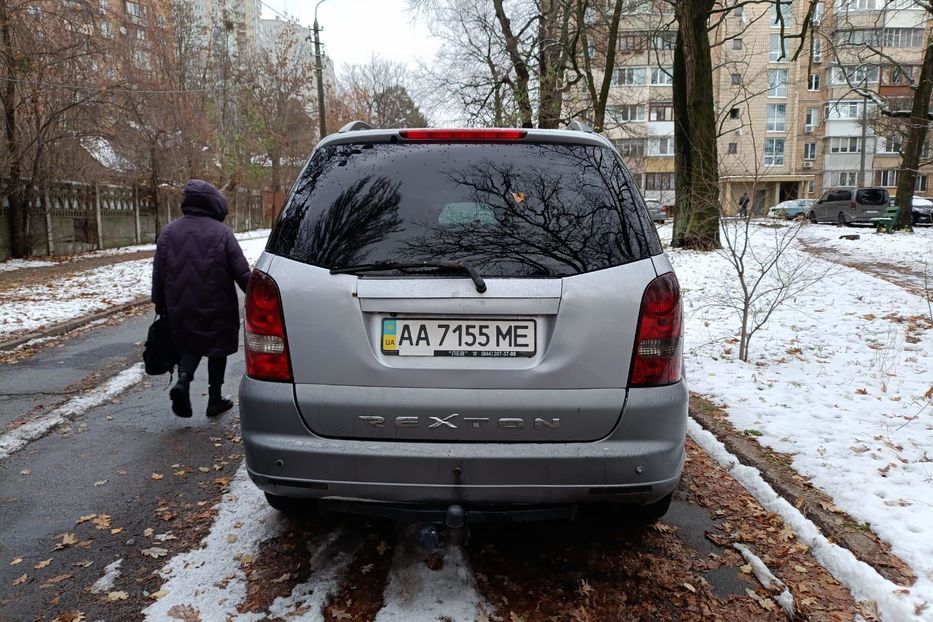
{"points": [[474, 317]]}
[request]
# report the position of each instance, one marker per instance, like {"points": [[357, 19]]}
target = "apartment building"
{"points": [[788, 127]]}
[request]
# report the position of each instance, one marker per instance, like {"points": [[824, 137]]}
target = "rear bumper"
{"points": [[640, 461]]}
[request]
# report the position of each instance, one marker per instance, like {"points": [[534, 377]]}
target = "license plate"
{"points": [[446, 337]]}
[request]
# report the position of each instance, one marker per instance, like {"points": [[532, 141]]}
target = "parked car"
{"points": [[845, 206], [795, 208], [656, 211], [921, 211], [464, 319]]}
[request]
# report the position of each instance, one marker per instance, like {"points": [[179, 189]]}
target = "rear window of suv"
{"points": [[872, 196], [510, 209]]}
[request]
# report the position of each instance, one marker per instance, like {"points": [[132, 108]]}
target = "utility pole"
{"points": [[319, 71], [864, 149]]}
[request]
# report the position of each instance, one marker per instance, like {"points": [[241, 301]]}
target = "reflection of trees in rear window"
{"points": [[510, 209]]}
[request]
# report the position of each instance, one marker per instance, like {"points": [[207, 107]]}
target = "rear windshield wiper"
{"points": [[379, 266]]}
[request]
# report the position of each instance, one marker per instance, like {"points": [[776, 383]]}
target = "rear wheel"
{"points": [[841, 219], [648, 514], [292, 506]]}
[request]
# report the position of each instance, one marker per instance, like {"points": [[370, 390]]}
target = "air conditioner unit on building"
{"points": [[807, 129], [808, 164]]}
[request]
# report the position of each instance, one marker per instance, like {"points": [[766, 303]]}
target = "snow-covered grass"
{"points": [[838, 379], [17, 264], [38, 305], [19, 437]]}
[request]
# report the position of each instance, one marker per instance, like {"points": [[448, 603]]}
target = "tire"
{"points": [[812, 217], [291, 506], [841, 220], [648, 514]]}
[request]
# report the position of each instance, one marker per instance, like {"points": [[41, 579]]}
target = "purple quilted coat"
{"points": [[198, 262]]}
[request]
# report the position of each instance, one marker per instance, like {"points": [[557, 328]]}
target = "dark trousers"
{"points": [[216, 366]]}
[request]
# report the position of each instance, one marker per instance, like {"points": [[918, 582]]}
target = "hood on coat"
{"points": [[201, 198]]}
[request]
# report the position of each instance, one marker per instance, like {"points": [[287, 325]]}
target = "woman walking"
{"points": [[198, 263]]}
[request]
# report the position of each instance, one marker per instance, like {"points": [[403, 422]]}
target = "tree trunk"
{"points": [[520, 85], [154, 182], [599, 104], [552, 47], [696, 162], [19, 220], [916, 137]]}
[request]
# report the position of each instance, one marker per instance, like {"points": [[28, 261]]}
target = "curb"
{"points": [[70, 325], [812, 503]]}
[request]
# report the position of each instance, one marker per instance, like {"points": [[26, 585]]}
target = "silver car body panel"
{"points": [[640, 461]]}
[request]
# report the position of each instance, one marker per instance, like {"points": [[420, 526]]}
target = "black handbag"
{"points": [[161, 355]]}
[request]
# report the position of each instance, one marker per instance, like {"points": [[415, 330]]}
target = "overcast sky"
{"points": [[354, 30]]}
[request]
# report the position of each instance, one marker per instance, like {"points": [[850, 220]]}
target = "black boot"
{"points": [[181, 399], [217, 403]]}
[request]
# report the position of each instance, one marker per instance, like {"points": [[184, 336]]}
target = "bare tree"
{"points": [[377, 92]]}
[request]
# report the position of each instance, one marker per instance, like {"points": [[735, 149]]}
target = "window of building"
{"points": [[809, 151], [735, 113], [739, 9], [777, 50], [630, 147], [662, 76], [863, 74], [810, 121], [736, 78], [665, 40], [737, 43], [733, 148], [886, 179], [661, 111], [900, 75], [846, 178], [633, 42], [921, 184], [777, 83], [811, 187], [859, 5], [774, 152], [845, 144], [776, 118], [659, 181], [784, 16], [892, 144], [847, 109], [135, 11], [626, 112], [813, 82], [629, 76], [105, 29], [661, 146], [904, 37]]}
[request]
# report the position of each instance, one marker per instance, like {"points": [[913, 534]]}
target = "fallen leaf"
{"points": [[148, 531], [155, 552], [162, 537], [204, 469], [57, 579], [102, 521], [184, 612], [366, 569], [113, 597], [747, 568], [285, 577], [17, 561], [71, 616], [20, 580], [100, 482], [180, 473], [86, 518], [84, 563], [157, 476], [43, 564], [382, 547], [115, 531], [231, 538], [67, 540], [690, 587], [160, 594], [25, 472]]}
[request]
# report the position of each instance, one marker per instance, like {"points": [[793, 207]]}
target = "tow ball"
{"points": [[455, 524]]}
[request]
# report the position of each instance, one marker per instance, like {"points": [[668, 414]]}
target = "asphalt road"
{"points": [[129, 481]]}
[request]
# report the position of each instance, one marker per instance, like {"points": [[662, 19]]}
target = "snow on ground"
{"points": [[109, 578], [913, 252], [415, 593], [211, 578], [34, 306], [839, 378], [17, 264], [19, 437]]}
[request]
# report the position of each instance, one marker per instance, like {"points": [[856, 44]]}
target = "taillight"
{"points": [[456, 135], [658, 354], [852, 205], [266, 345]]}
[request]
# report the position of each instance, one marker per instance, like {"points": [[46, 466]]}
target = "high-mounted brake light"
{"points": [[454, 135], [658, 355], [266, 344]]}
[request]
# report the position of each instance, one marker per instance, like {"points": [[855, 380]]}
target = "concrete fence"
{"points": [[67, 218]]}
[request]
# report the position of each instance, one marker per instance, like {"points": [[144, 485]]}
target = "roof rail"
{"points": [[354, 126], [580, 126]]}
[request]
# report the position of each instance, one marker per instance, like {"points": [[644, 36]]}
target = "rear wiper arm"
{"points": [[379, 266]]}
